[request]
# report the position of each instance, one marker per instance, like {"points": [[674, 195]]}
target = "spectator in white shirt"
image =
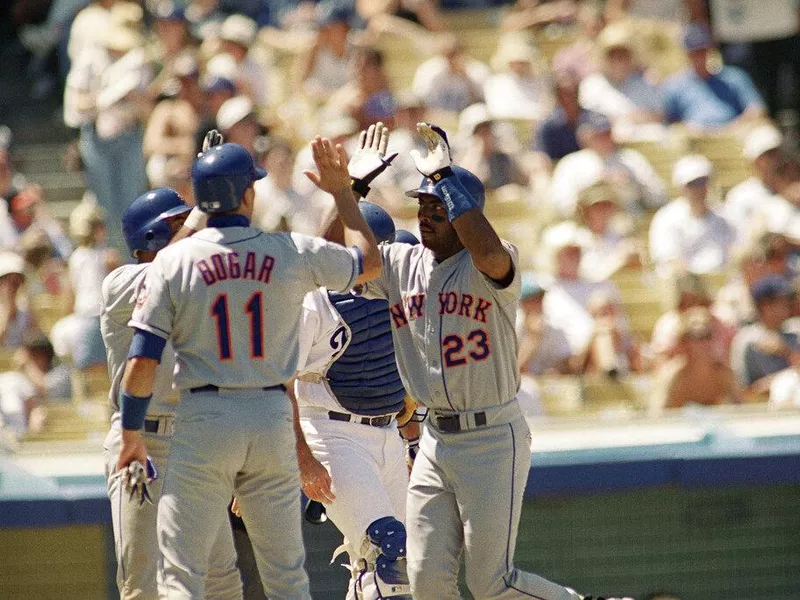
{"points": [[518, 90], [16, 319], [638, 184], [746, 202], [620, 91], [687, 234], [784, 390], [279, 206], [238, 33], [238, 122], [450, 81], [27, 212], [566, 303], [609, 244], [327, 66]]}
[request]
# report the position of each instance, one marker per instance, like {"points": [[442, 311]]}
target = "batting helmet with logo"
{"points": [[144, 223], [378, 220], [221, 175], [471, 184]]}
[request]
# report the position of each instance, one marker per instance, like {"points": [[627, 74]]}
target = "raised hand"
{"points": [[213, 138], [438, 156], [332, 165], [370, 159]]}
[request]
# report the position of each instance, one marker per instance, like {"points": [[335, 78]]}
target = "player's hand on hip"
{"points": [[315, 480], [235, 508], [438, 154], [370, 159], [132, 449], [332, 165]]}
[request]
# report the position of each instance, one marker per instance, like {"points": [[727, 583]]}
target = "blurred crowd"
{"points": [[587, 126]]}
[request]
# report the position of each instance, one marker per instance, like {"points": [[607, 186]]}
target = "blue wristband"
{"points": [[133, 409], [455, 198]]}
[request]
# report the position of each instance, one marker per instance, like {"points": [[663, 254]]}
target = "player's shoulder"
{"points": [[399, 254], [122, 279]]}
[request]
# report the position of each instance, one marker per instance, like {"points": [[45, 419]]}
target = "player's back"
{"points": [[234, 302], [118, 296]]}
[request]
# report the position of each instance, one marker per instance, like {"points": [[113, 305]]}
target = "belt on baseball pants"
{"points": [[450, 422], [381, 421], [159, 425], [214, 388]]}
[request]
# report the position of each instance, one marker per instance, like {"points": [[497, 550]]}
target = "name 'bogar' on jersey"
{"points": [[230, 299]]}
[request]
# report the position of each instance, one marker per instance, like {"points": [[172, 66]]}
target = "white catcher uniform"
{"points": [[456, 349], [230, 300], [135, 538], [367, 464]]}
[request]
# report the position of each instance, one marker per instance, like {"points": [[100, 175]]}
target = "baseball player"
{"points": [[452, 302], [230, 300], [349, 394], [149, 224]]}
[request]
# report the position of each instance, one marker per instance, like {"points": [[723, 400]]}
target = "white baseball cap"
{"points": [[232, 111], [567, 234], [239, 29], [471, 117], [691, 168], [11, 262], [762, 139]]}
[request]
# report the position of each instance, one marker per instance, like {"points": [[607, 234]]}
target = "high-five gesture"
{"points": [[370, 159], [438, 157], [333, 176]]}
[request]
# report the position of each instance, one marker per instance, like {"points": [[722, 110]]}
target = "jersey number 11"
{"points": [[255, 310]]}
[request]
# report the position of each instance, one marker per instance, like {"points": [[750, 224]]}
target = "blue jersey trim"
{"points": [[228, 221], [133, 410], [146, 345]]}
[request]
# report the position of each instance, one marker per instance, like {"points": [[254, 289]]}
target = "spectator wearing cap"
{"points": [[770, 31], [612, 350], [637, 183], [368, 96], [609, 244], [237, 36], [169, 137], [215, 91], [566, 303], [483, 154], [173, 41], [238, 122], [687, 234], [26, 212], [746, 201], [16, 320], [619, 90], [766, 255], [763, 348], [782, 213], [557, 135], [518, 90], [279, 206], [687, 293], [543, 348], [703, 99], [105, 96], [327, 66], [451, 80], [695, 375]]}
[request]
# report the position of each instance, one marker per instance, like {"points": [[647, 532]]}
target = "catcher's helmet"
{"points": [[378, 220], [144, 223], [221, 175], [471, 184], [402, 236]]}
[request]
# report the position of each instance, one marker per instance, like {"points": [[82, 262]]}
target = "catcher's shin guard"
{"points": [[384, 573]]}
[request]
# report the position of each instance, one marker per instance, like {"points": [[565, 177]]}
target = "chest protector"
{"points": [[365, 379]]}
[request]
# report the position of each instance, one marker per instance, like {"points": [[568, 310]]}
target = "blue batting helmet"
{"points": [[402, 236], [378, 220], [144, 223], [221, 175], [471, 184]]}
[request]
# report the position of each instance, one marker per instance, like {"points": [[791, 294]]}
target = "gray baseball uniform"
{"points": [[135, 539], [456, 349], [230, 299]]}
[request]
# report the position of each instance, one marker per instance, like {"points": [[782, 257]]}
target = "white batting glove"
{"points": [[370, 159], [213, 138], [438, 156]]}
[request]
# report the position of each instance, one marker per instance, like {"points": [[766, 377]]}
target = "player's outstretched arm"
{"points": [[473, 228], [334, 178]]}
